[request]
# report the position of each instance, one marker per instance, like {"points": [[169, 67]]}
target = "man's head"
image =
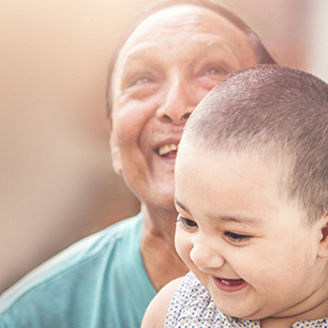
{"points": [[170, 60], [263, 56], [252, 194]]}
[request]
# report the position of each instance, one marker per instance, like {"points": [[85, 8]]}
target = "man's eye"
{"points": [[187, 222], [236, 237], [140, 80], [215, 71]]}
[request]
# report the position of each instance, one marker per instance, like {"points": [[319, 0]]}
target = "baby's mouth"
{"points": [[231, 282], [230, 285], [168, 150]]}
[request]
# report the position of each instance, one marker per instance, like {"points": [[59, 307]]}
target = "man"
{"points": [[173, 55]]}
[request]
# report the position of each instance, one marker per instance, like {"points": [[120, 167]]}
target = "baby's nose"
{"points": [[206, 256]]}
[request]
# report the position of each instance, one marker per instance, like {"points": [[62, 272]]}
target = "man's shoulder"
{"points": [[82, 260]]}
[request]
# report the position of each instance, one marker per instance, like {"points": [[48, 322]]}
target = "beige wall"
{"points": [[56, 181]]}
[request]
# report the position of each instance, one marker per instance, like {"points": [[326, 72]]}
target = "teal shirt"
{"points": [[100, 282]]}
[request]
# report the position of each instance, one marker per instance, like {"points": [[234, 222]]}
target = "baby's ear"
{"points": [[323, 247]]}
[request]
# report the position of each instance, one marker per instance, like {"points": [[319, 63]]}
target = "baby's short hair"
{"points": [[279, 112]]}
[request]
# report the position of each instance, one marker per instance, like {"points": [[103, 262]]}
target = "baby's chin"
{"points": [[245, 312]]}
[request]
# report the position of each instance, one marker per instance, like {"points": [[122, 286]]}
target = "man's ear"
{"points": [[115, 150], [323, 247]]}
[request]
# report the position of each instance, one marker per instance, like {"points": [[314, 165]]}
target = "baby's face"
{"points": [[250, 246]]}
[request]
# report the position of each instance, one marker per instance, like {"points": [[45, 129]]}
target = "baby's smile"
{"points": [[230, 285]]}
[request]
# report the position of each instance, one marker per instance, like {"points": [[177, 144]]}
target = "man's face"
{"points": [[250, 246], [165, 68]]}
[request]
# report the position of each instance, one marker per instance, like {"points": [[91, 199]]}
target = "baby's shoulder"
{"points": [[156, 312], [185, 302], [192, 306]]}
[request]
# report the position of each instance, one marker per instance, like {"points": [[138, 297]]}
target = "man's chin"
{"points": [[163, 202], [167, 203]]}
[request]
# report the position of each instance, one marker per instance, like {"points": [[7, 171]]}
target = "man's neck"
{"points": [[157, 246]]}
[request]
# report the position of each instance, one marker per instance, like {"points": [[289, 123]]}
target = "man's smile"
{"points": [[168, 150]]}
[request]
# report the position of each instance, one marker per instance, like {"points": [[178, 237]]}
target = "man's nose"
{"points": [[179, 102], [205, 254]]}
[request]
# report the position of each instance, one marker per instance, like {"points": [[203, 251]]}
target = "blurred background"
{"points": [[56, 179]]}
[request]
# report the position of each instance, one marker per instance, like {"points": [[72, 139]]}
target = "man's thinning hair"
{"points": [[263, 56], [279, 113]]}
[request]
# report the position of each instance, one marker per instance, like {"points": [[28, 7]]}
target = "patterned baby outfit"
{"points": [[193, 307]]}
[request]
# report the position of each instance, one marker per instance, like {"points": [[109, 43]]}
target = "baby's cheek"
{"points": [[183, 245], [263, 278]]}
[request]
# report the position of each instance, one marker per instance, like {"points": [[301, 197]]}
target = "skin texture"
{"points": [[235, 223], [156, 312], [168, 64]]}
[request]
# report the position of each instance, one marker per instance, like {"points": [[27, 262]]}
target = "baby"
{"points": [[252, 195]]}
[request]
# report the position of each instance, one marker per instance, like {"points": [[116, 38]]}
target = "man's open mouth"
{"points": [[168, 150]]}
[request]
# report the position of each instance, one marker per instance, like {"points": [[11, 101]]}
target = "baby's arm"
{"points": [[156, 312]]}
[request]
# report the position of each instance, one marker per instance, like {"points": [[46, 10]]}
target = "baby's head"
{"points": [[252, 193]]}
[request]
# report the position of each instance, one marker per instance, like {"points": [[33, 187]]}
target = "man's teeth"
{"points": [[167, 149], [225, 282]]}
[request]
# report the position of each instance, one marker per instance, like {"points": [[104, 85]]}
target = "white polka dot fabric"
{"points": [[193, 307]]}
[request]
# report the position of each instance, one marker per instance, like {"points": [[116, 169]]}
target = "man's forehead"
{"points": [[180, 18], [190, 25], [206, 43]]}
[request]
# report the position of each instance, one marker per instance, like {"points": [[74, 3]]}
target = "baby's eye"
{"points": [[236, 237], [189, 224]]}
